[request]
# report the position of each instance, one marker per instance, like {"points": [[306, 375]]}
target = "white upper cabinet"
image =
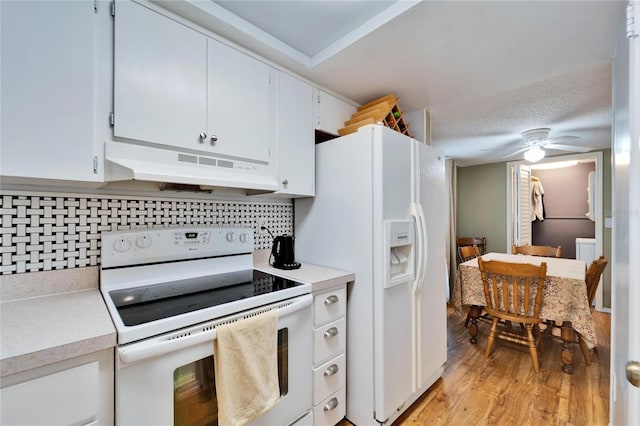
{"points": [[329, 112], [160, 79], [176, 86], [240, 97], [48, 92], [296, 148]]}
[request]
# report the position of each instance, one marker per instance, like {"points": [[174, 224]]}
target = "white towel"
{"points": [[246, 366], [537, 209]]}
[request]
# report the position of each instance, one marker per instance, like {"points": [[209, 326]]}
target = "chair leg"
{"points": [[585, 349], [492, 336], [532, 348], [537, 334]]}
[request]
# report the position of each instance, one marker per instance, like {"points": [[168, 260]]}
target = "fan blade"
{"points": [[572, 148], [503, 149], [563, 139], [512, 153]]}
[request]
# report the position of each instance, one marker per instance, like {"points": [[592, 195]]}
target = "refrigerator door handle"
{"points": [[415, 212], [424, 236]]}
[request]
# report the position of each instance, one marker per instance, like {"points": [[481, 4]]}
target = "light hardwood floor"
{"points": [[504, 389]]}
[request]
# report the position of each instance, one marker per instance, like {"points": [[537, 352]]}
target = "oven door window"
{"points": [[194, 387]]}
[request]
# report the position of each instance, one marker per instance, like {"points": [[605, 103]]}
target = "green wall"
{"points": [[482, 209], [482, 204]]}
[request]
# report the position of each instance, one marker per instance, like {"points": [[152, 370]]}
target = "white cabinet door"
{"points": [[66, 397], [160, 79], [296, 149], [75, 391], [330, 113], [48, 71], [239, 101]]}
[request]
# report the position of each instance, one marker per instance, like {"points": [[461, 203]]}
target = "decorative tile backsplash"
{"points": [[41, 233]]}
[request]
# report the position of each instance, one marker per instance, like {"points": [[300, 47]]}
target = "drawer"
{"points": [[330, 305], [331, 410], [329, 340], [67, 397], [328, 378]]}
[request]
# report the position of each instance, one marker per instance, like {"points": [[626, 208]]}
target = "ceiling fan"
{"points": [[536, 142]]}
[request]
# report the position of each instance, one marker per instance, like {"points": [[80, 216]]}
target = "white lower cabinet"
{"points": [[328, 378], [331, 410], [78, 391], [329, 355]]}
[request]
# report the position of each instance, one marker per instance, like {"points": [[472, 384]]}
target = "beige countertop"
{"points": [[319, 277], [47, 317]]}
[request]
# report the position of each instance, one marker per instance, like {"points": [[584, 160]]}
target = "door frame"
{"points": [[595, 156], [625, 152]]}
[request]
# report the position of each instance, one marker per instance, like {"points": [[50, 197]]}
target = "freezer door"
{"points": [[393, 339]]}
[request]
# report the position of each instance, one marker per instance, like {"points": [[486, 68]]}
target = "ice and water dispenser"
{"points": [[399, 252]]}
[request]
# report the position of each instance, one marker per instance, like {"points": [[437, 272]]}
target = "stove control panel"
{"points": [[143, 246], [191, 237]]}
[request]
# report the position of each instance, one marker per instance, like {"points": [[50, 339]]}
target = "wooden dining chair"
{"points": [[592, 278], [513, 294], [546, 251], [480, 242], [467, 253]]}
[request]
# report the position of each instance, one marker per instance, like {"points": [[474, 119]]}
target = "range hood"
{"points": [[129, 161]]}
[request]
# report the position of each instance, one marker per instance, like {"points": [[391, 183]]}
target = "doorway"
{"points": [[519, 230]]}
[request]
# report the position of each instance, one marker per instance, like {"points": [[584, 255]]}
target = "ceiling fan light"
{"points": [[533, 154]]}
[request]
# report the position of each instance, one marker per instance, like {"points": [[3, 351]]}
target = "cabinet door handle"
{"points": [[331, 332], [331, 300], [203, 136], [285, 182], [214, 139], [331, 405], [331, 370]]}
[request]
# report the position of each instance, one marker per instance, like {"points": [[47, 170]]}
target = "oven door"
{"points": [[169, 379]]}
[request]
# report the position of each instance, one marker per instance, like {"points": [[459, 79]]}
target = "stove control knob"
{"points": [[231, 237], [143, 241], [122, 245], [244, 238]]}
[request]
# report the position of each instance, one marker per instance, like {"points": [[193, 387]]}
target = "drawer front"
{"points": [[67, 397], [329, 340], [331, 410], [330, 305], [328, 378]]}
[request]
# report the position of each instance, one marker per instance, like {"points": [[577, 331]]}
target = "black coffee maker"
{"points": [[282, 252]]}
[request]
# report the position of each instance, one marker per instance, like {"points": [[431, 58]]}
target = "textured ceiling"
{"points": [[486, 70]]}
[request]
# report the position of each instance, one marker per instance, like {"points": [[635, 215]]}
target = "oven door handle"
{"points": [[153, 347]]}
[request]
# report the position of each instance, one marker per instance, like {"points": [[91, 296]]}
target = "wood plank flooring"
{"points": [[504, 389]]}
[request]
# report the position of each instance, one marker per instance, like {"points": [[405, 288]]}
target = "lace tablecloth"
{"points": [[564, 297]]}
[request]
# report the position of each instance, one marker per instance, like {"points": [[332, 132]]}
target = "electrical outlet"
{"points": [[262, 222]]}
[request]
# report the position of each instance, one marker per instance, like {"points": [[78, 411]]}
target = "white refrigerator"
{"points": [[379, 211]]}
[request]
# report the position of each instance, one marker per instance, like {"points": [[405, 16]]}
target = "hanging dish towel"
{"points": [[246, 367]]}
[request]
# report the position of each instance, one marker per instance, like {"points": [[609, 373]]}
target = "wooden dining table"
{"points": [[564, 298]]}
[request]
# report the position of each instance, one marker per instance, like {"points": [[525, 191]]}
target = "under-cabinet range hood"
{"points": [[128, 161]]}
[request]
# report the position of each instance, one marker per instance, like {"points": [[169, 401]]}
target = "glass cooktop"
{"points": [[145, 304]]}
